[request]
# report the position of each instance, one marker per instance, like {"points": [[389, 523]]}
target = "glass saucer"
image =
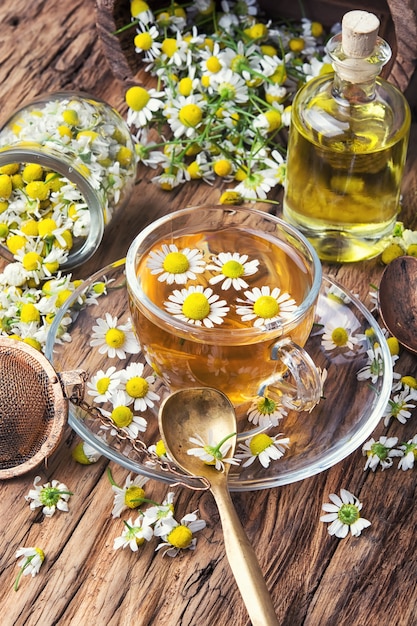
{"points": [[342, 421]]}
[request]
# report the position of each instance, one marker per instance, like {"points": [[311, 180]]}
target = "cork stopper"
{"points": [[359, 34]]}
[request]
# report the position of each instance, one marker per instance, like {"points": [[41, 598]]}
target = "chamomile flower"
{"points": [[409, 454], [30, 564], [160, 515], [113, 339], [185, 116], [398, 407], [174, 265], [51, 496], [231, 268], [134, 534], [266, 412], [213, 452], [123, 417], [130, 496], [375, 366], [337, 335], [197, 305], [257, 183], [380, 452], [177, 536], [262, 447], [343, 514], [139, 387], [267, 307], [142, 103], [103, 384]]}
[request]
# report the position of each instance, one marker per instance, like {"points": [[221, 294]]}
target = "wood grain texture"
{"points": [[314, 579]]}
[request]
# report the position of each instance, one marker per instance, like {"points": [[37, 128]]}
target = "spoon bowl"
{"points": [[398, 300], [203, 411]]}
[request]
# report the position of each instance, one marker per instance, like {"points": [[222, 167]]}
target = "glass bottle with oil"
{"points": [[347, 148]]}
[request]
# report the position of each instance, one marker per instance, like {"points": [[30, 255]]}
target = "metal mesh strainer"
{"points": [[33, 406]]}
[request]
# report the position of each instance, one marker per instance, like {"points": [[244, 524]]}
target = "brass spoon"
{"points": [[398, 300], [182, 415]]}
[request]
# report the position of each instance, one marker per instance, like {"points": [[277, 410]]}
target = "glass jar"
{"points": [[67, 165]]}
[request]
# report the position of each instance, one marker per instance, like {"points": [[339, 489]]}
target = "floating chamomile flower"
{"points": [[123, 417], [50, 496], [138, 387], [113, 339], [197, 305], [380, 452], [343, 514], [266, 307], [103, 384], [134, 534], [266, 412], [130, 496], [231, 268], [174, 265], [30, 564], [262, 447], [213, 452], [177, 536], [337, 335], [409, 454]]}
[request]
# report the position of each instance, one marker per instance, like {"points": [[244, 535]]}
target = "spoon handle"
{"points": [[243, 562]]}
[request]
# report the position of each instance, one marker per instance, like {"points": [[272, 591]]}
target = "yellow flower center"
{"points": [[102, 384], [5, 186], [143, 41], [185, 86], [137, 7], [115, 337], [410, 381], [122, 416], [176, 263], [62, 296], [41, 553], [190, 115], [340, 336], [196, 306], [31, 261], [180, 537], [137, 387], [274, 120], [296, 44], [259, 443], [160, 449], [71, 117], [29, 313], [316, 29], [46, 227], [233, 269], [169, 46], [223, 167], [137, 98], [134, 496], [213, 65], [37, 190], [266, 307], [32, 172]]}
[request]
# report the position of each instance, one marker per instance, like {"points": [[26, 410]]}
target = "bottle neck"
{"points": [[353, 92]]}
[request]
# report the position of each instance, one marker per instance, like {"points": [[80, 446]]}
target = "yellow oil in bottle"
{"points": [[346, 155]]}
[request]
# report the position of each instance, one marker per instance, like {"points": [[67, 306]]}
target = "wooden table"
{"points": [[314, 579]]}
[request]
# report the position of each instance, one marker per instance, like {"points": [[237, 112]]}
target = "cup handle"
{"points": [[304, 392]]}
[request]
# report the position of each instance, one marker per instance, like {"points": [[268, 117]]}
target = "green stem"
{"points": [[19, 576]]}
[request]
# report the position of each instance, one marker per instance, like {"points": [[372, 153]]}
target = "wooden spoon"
{"points": [[182, 415], [398, 300]]}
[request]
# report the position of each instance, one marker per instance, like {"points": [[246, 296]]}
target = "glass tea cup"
{"points": [[225, 297]]}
